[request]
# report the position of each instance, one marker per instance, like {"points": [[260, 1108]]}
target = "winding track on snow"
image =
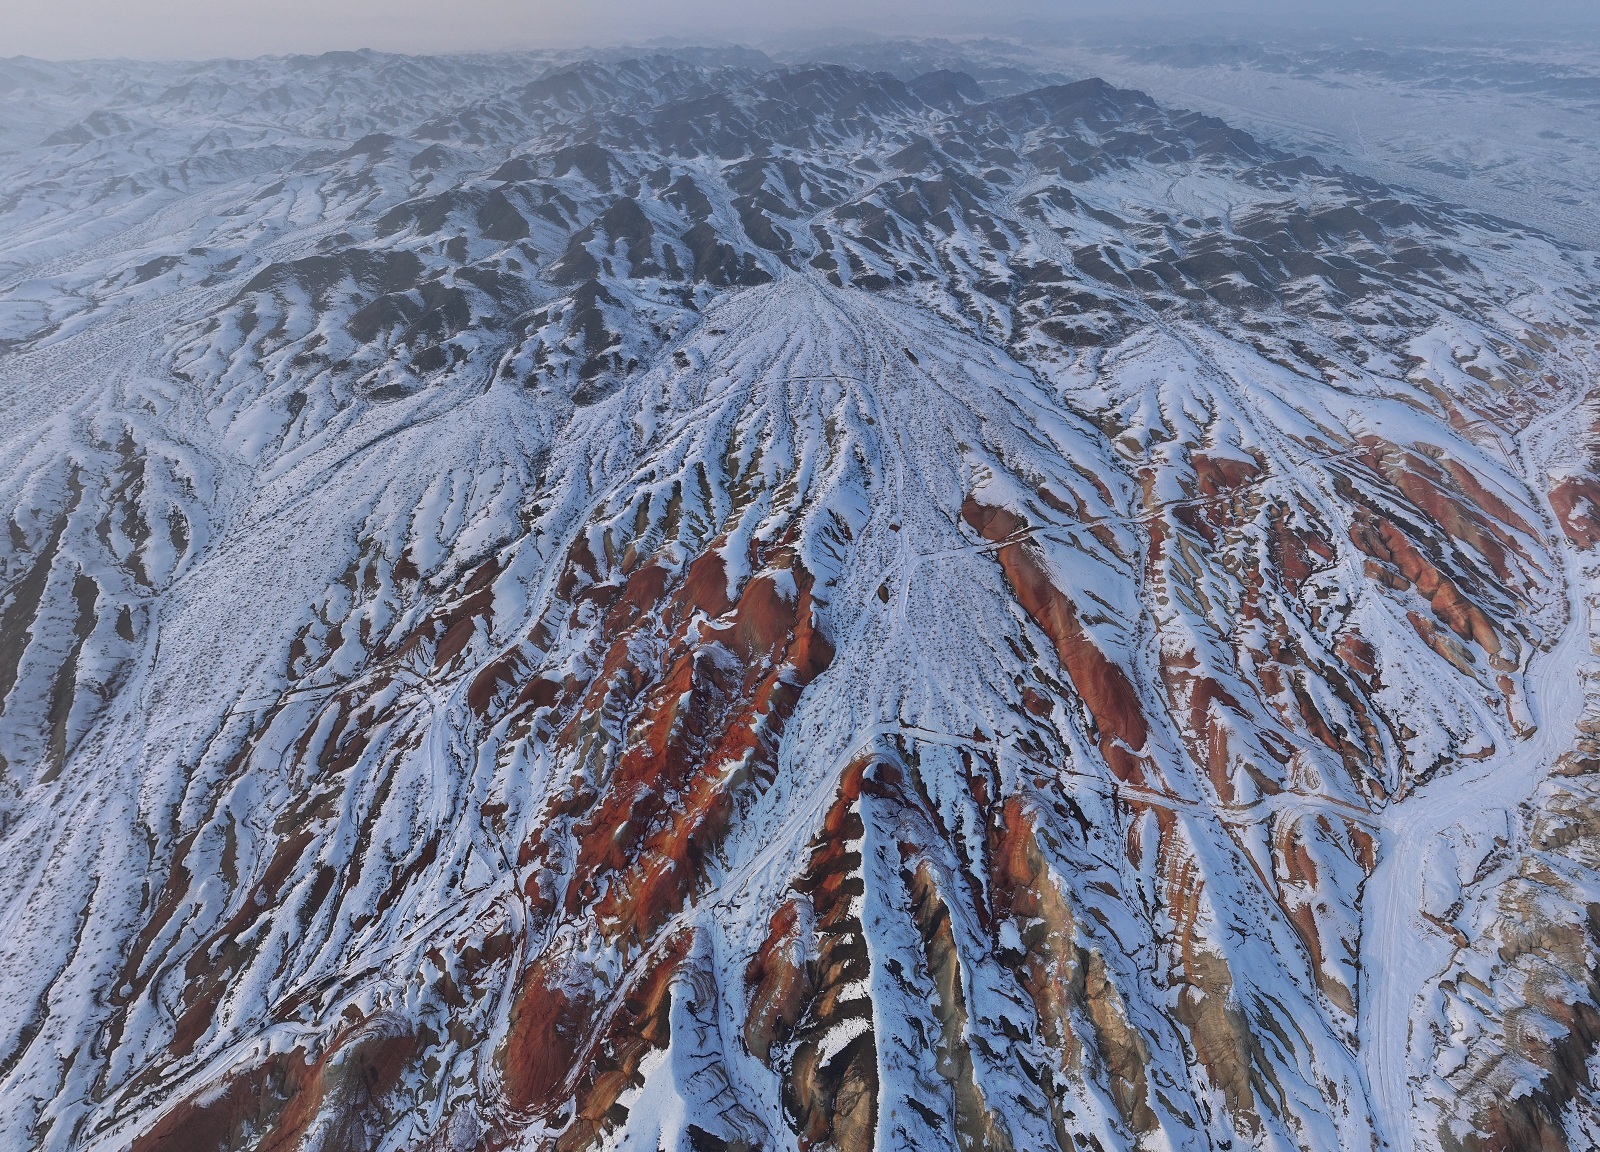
{"points": [[1402, 951]]}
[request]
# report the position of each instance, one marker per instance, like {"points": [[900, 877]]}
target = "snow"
{"points": [[267, 505], [1404, 951]]}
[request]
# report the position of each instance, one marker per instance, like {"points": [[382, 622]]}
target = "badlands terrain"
{"points": [[905, 598]]}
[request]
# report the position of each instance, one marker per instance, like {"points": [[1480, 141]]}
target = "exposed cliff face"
{"points": [[686, 604]]}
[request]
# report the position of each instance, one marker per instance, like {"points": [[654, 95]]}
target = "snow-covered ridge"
{"points": [[678, 602]]}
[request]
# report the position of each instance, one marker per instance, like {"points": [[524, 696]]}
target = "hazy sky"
{"points": [[205, 28]]}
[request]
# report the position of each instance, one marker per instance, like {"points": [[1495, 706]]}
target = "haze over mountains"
{"points": [[888, 597]]}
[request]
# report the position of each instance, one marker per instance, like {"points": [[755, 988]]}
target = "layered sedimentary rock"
{"points": [[683, 603]]}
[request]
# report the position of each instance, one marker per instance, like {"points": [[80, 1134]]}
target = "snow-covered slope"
{"points": [[678, 602]]}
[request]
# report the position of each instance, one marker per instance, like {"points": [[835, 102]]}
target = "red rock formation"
{"points": [[550, 1025], [636, 838], [1576, 501], [780, 980], [1062, 978], [707, 722], [273, 1105], [1107, 693], [976, 1126], [1384, 542], [832, 1096]]}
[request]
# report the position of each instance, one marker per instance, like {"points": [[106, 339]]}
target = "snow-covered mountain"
{"points": [[680, 602]]}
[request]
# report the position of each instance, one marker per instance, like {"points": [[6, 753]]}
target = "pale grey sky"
{"points": [[60, 29], [199, 28]]}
